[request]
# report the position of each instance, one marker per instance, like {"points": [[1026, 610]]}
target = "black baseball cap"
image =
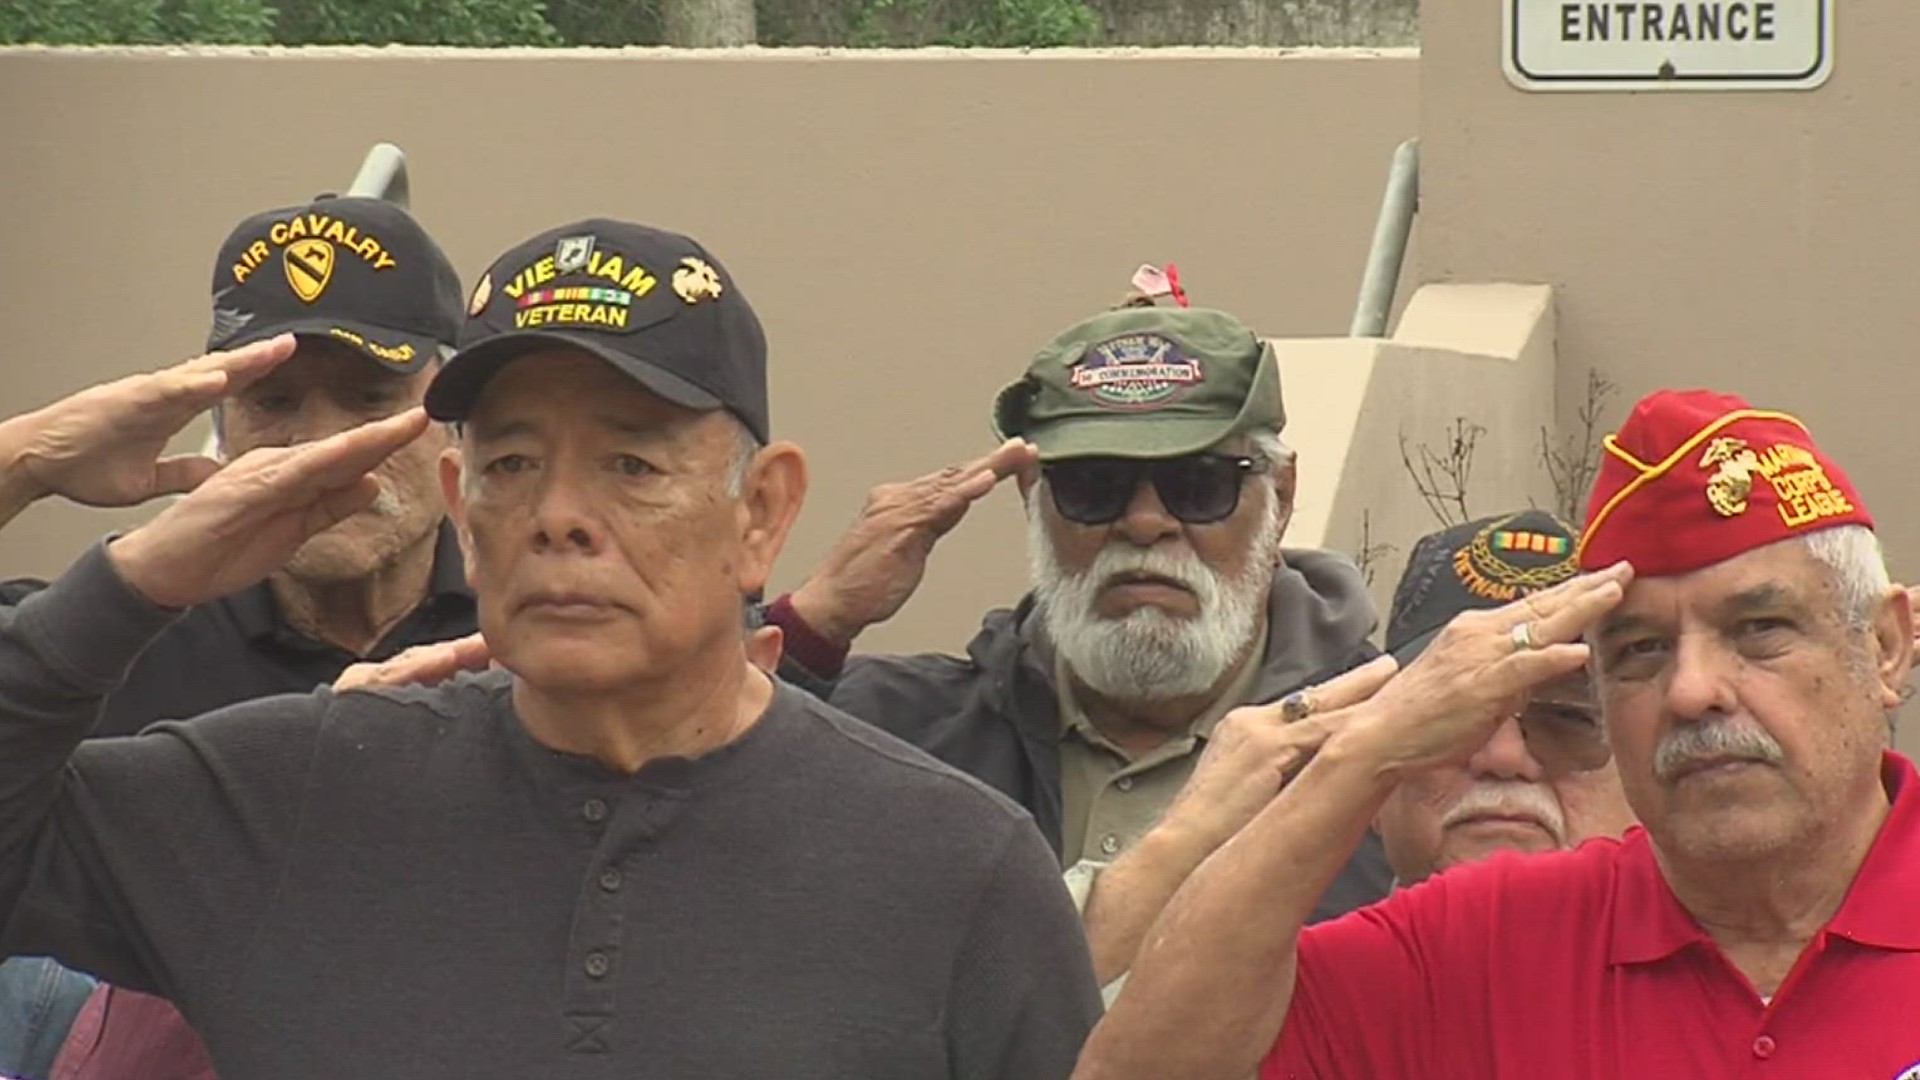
{"points": [[355, 270], [1487, 563], [655, 304]]}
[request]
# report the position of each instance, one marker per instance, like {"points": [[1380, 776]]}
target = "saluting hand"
{"points": [[875, 567], [103, 445], [247, 520], [1256, 749], [1448, 701]]}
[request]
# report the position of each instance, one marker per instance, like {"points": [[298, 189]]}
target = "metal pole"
{"points": [[382, 175], [1390, 235]]}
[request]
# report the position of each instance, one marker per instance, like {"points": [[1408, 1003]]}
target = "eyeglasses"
{"points": [[1564, 736], [1197, 489]]}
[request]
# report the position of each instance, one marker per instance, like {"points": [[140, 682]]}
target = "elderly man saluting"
{"points": [[1544, 780], [1146, 445], [626, 853], [1747, 650]]}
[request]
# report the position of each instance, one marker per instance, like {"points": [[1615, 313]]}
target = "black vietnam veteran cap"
{"points": [[355, 270], [1487, 563], [655, 304]]}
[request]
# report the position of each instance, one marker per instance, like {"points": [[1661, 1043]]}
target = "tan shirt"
{"points": [[1108, 800]]}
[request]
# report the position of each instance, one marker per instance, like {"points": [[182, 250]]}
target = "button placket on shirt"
{"points": [[594, 945], [595, 965], [1100, 823]]}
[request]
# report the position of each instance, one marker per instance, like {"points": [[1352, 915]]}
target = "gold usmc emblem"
{"points": [[695, 281], [1732, 481]]}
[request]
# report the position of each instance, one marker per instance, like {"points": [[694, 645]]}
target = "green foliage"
{"points": [[218, 22], [414, 22], [606, 22], [910, 23], [78, 22], [294, 22], [1024, 23], [860, 23], [135, 22]]}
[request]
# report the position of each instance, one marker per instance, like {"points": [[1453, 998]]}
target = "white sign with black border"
{"points": [[1641, 45]]}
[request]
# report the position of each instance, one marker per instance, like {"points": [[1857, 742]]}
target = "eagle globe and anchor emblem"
{"points": [[1138, 371]]}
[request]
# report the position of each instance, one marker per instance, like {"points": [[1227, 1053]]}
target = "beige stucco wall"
{"points": [[1761, 243], [911, 227], [1479, 351]]}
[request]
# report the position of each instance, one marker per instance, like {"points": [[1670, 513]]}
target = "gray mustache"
{"points": [[1715, 739], [1509, 797]]}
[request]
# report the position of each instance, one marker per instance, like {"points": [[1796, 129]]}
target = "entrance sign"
{"points": [[1668, 44]]}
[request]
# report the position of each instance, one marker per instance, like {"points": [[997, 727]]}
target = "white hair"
{"points": [[1853, 555], [1266, 444], [746, 446]]}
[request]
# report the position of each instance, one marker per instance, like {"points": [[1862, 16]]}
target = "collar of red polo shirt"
{"points": [[1695, 477], [1650, 924]]}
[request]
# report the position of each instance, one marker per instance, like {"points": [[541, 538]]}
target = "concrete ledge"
{"points": [[1485, 320], [1482, 354]]}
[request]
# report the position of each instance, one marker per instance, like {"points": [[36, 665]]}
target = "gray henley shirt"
{"points": [[404, 884]]}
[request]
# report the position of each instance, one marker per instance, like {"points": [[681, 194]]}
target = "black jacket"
{"points": [[993, 713]]}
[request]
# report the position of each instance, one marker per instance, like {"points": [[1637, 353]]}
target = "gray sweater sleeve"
{"points": [[62, 650], [1024, 996], [139, 859]]}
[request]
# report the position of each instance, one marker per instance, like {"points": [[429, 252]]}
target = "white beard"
{"points": [[1149, 655]]}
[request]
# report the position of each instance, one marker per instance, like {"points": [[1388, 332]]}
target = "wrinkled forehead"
{"points": [[1783, 575], [558, 389]]}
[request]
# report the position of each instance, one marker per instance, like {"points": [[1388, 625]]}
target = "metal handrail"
{"points": [[1390, 233], [383, 175]]}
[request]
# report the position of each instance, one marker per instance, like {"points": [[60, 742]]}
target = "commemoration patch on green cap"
{"points": [[1143, 382], [1135, 371]]}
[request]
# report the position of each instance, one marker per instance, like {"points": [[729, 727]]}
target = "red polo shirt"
{"points": [[1583, 966]]}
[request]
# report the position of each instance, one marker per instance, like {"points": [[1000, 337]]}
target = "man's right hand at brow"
{"points": [[106, 445], [247, 520]]}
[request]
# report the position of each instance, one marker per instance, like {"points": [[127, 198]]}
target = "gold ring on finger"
{"points": [[1522, 634], [1297, 706]]}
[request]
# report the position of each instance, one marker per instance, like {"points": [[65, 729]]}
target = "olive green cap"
{"points": [[1145, 382]]}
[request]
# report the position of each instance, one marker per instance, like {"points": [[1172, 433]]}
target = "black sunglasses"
{"points": [[1197, 489]]}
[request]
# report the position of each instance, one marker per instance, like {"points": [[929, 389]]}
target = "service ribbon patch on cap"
{"points": [[602, 306], [1137, 371], [1486, 574], [1539, 543]]}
